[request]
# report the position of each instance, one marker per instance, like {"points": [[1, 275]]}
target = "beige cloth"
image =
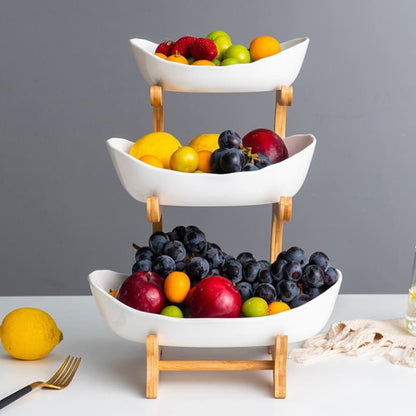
{"points": [[388, 339]]}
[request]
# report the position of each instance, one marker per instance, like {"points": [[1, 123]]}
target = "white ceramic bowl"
{"points": [[298, 324], [267, 74], [174, 188]]}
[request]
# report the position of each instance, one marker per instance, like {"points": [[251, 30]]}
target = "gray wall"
{"points": [[68, 82]]}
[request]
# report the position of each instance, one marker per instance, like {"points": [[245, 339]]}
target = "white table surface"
{"points": [[111, 377]]}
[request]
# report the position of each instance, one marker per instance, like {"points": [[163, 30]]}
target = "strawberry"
{"points": [[181, 46], [203, 48], [165, 47]]}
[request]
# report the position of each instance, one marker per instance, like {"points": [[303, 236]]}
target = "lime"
{"points": [[216, 33], [173, 311], [230, 61], [239, 52], [29, 333], [254, 306]]}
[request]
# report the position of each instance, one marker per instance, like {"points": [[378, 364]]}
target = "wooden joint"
{"points": [[154, 213], [156, 101], [284, 96], [285, 208], [156, 96]]}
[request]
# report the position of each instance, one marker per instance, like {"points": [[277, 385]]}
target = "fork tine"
{"points": [[61, 368], [67, 376]]}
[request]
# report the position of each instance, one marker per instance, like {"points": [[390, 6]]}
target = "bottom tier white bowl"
{"points": [[298, 324]]}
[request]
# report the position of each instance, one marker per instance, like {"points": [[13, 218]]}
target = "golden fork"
{"points": [[58, 381]]}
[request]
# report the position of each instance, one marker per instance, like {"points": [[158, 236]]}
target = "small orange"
{"points": [[179, 59], [203, 62], [204, 164], [112, 293], [161, 55], [277, 307], [176, 286], [263, 46], [152, 160]]}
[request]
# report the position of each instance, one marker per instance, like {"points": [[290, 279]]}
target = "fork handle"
{"points": [[14, 396]]}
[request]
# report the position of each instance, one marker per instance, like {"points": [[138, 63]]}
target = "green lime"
{"points": [[230, 61], [172, 310], [254, 306]]}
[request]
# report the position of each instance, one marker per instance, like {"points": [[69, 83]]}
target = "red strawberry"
{"points": [[203, 48], [181, 46], [165, 47]]}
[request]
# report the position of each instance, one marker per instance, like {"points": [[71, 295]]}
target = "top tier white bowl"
{"points": [[267, 74], [264, 186]]}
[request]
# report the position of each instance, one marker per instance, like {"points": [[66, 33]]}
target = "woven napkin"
{"points": [[388, 339]]}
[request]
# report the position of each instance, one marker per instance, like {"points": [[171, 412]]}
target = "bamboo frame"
{"points": [[281, 212], [155, 365]]}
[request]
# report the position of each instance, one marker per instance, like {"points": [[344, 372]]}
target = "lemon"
{"points": [[205, 141], [29, 333], [159, 144]]}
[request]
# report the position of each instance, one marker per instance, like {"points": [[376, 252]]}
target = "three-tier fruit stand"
{"points": [[280, 182]]}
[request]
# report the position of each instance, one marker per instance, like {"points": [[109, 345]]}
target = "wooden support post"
{"points": [[281, 212], [156, 101], [279, 355], [152, 366], [284, 98], [154, 213], [155, 364]]}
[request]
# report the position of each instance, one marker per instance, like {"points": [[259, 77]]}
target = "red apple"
{"points": [[213, 297], [143, 291], [268, 142]]}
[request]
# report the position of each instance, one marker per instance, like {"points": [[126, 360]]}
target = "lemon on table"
{"points": [[205, 141], [29, 333], [159, 144]]}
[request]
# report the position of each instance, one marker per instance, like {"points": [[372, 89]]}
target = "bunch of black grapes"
{"points": [[231, 156], [185, 248], [290, 278]]}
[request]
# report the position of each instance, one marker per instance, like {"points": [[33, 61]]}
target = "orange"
{"points": [[176, 286], [178, 59], [152, 160], [204, 161], [263, 46], [203, 62], [205, 141], [277, 307], [161, 55]]}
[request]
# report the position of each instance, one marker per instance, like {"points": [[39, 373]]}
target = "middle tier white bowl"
{"points": [[173, 188]]}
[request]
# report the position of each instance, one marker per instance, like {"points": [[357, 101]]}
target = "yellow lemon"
{"points": [[205, 141], [29, 333], [159, 144]]}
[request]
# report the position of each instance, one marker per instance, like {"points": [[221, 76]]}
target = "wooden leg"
{"points": [[154, 213], [152, 369], [284, 98], [281, 212], [279, 370], [156, 101]]}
